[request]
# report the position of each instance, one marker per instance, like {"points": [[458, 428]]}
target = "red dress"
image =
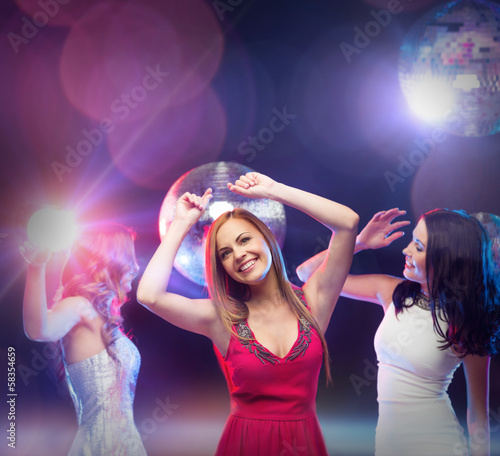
{"points": [[273, 400]]}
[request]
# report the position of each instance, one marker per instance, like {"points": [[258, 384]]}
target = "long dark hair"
{"points": [[463, 289], [229, 296]]}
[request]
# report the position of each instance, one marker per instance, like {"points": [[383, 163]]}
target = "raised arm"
{"points": [[324, 287], [40, 324], [476, 370], [379, 232], [196, 315]]}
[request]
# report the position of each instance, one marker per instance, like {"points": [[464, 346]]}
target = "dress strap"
{"points": [[300, 294]]}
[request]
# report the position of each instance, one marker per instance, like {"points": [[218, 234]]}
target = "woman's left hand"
{"points": [[379, 231], [253, 185]]}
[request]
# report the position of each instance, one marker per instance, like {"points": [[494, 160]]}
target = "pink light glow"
{"points": [[155, 151], [46, 119], [59, 13], [109, 55]]}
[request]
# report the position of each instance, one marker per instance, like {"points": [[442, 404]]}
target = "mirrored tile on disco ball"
{"points": [[449, 67], [491, 223]]}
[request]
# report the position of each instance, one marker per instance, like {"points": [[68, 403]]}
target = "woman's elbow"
{"points": [[352, 222], [301, 273], [32, 332], [39, 336], [32, 335], [145, 298]]}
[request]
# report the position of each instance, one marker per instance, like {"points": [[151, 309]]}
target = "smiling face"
{"points": [[415, 254], [243, 251]]}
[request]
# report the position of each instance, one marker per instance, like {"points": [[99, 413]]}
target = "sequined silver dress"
{"points": [[103, 393]]}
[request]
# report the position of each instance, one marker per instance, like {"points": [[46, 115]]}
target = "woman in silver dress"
{"points": [[101, 363]]}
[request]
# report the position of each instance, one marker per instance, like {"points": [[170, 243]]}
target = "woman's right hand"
{"points": [[34, 256], [190, 207]]}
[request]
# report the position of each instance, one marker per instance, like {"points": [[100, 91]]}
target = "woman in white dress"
{"points": [[443, 313]]}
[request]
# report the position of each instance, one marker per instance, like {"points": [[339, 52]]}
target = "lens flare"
{"points": [[52, 229], [431, 99], [452, 52]]}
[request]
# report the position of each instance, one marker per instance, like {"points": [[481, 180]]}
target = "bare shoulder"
{"points": [[77, 304], [81, 316], [389, 283], [387, 286]]}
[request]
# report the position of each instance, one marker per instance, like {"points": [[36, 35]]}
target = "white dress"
{"points": [[415, 412]]}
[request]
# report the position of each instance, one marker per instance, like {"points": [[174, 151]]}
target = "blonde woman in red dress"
{"points": [[267, 334]]}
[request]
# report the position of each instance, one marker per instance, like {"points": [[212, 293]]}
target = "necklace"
{"points": [[422, 301]]}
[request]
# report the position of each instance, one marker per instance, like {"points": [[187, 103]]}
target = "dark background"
{"points": [[351, 127]]}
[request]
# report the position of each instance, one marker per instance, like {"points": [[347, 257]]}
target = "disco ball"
{"points": [[449, 67], [491, 223], [190, 259]]}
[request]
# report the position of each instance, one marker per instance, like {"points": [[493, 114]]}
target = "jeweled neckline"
{"points": [[269, 351], [423, 302], [254, 346]]}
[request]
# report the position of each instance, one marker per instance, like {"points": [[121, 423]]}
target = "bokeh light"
{"points": [[190, 259], [122, 61], [116, 60], [48, 123], [383, 133], [450, 65], [52, 229], [169, 142], [55, 13], [447, 174], [431, 99]]}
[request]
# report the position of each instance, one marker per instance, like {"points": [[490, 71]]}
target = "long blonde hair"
{"points": [[101, 260], [229, 296]]}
